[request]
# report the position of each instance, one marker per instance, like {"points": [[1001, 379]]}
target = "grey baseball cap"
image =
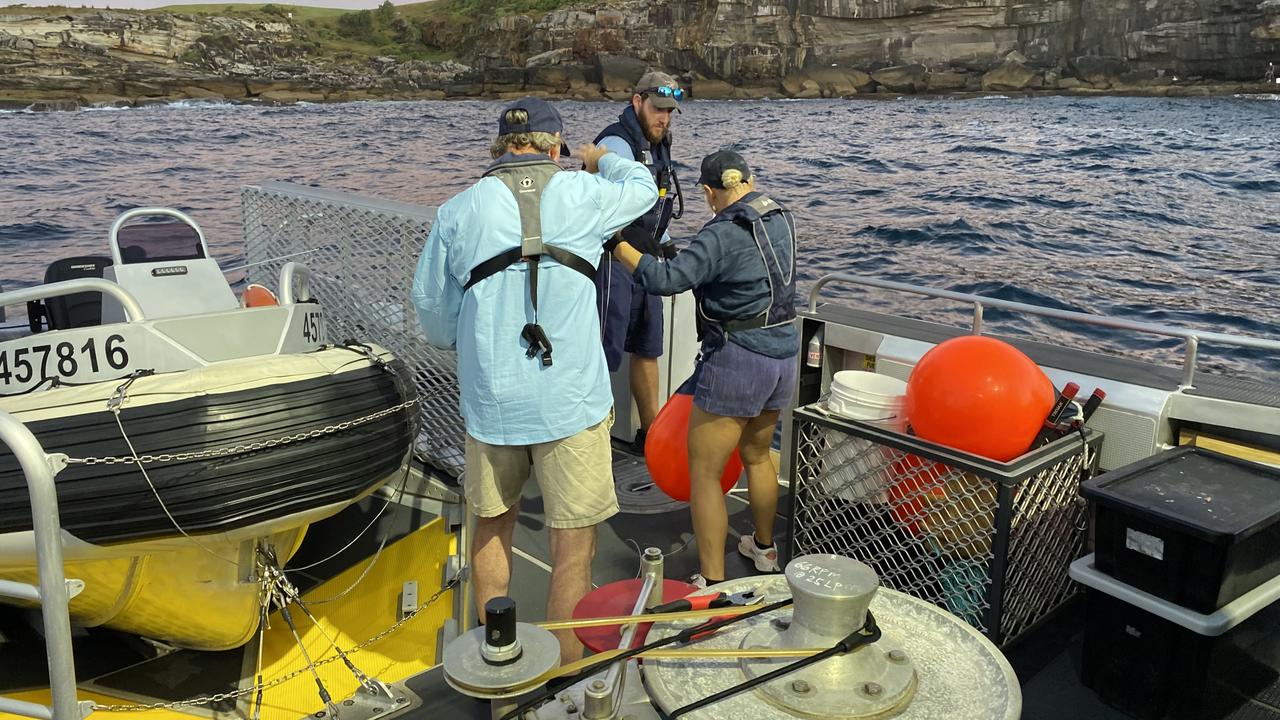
{"points": [[650, 83]]}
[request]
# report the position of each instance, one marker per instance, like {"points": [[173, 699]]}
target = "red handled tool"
{"points": [[705, 602], [1055, 414], [1092, 404]]}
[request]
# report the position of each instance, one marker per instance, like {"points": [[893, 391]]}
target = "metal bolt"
{"points": [[348, 703], [897, 656], [781, 623], [401, 700], [597, 685], [377, 710], [872, 689], [652, 553], [319, 714], [801, 687]]}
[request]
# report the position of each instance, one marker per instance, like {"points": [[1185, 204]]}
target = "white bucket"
{"points": [[868, 396]]}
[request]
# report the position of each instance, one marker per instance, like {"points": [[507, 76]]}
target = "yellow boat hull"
{"points": [[203, 596]]}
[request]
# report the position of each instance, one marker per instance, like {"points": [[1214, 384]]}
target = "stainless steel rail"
{"points": [[54, 591], [1191, 338], [67, 287]]}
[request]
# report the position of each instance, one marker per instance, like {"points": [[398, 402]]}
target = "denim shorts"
{"points": [[736, 382], [631, 318]]}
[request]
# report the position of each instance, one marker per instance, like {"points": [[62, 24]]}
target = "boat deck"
{"points": [[1047, 660]]}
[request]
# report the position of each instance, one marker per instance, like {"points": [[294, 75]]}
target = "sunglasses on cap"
{"points": [[664, 91]]}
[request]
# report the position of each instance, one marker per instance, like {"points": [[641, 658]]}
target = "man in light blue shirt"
{"points": [[506, 278]]}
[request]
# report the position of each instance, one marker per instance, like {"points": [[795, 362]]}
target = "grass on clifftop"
{"points": [[300, 12]]}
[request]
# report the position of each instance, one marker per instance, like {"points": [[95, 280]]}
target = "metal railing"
{"points": [[1192, 338], [288, 273], [55, 591], [361, 254], [113, 234], [69, 287]]}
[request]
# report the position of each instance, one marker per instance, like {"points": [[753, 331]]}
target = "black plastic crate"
{"points": [[990, 542], [1154, 669], [1192, 526]]}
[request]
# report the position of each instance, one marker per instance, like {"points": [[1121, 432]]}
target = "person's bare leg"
{"points": [[491, 557], [571, 554], [644, 388], [762, 476], [711, 439]]}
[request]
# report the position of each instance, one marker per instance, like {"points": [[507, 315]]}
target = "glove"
{"points": [[669, 251], [641, 240], [612, 241]]}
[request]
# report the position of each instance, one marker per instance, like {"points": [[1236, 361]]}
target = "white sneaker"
{"points": [[766, 559]]}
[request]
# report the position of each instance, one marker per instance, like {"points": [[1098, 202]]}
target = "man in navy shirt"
{"points": [[631, 319]]}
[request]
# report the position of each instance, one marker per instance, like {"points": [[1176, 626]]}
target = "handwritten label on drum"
{"points": [[815, 574]]}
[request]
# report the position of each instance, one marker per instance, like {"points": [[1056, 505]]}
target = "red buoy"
{"points": [[666, 451], [979, 395]]}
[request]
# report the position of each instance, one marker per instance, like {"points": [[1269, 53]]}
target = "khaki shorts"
{"points": [[574, 473]]}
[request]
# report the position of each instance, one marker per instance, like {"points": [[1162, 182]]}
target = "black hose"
{"points": [[683, 636], [867, 634]]}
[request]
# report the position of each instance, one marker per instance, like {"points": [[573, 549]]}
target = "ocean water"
{"points": [[1160, 210]]}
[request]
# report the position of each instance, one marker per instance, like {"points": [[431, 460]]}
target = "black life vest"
{"points": [[526, 179], [749, 213], [645, 232]]}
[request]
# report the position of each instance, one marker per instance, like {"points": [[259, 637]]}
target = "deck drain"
{"points": [[637, 495]]}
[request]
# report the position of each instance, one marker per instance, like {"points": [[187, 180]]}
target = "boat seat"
{"points": [[76, 310]]}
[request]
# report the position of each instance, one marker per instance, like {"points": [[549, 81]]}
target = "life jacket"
{"points": [[648, 229], [749, 213], [526, 179]]}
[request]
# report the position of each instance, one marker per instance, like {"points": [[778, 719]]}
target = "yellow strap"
{"points": [[730, 611]]}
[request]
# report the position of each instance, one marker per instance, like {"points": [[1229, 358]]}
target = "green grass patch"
{"points": [[277, 10], [480, 9]]}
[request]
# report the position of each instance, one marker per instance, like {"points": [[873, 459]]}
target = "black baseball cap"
{"points": [[715, 165], [543, 117]]}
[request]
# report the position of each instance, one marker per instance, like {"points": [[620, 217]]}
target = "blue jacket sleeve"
{"points": [[695, 266], [437, 294]]}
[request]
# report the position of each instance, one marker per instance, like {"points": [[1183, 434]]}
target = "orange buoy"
{"points": [[979, 395], [258, 296], [666, 450]]}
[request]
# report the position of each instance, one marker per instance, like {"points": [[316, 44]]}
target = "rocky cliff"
{"points": [[721, 48]]}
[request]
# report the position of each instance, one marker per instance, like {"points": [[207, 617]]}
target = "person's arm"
{"points": [[625, 192], [436, 294], [693, 267]]}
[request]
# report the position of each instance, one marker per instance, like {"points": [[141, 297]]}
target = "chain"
{"points": [[235, 694], [250, 447]]}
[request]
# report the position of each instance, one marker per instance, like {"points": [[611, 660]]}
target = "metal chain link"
{"points": [[235, 694], [250, 447]]}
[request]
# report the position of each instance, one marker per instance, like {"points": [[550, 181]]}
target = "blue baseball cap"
{"points": [[543, 117]]}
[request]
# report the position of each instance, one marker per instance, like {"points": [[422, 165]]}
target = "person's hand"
{"points": [[612, 241], [591, 155]]}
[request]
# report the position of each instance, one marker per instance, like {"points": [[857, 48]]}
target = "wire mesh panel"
{"points": [[362, 254], [990, 542]]}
